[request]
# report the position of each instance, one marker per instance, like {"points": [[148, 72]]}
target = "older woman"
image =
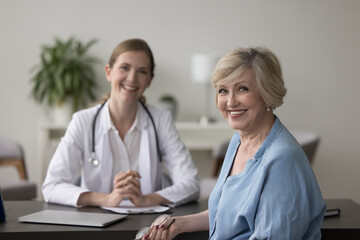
{"points": [[266, 188]]}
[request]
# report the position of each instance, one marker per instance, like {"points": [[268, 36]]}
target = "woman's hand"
{"points": [[165, 231], [170, 229]]}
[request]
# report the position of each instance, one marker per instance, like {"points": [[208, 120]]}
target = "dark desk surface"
{"points": [[347, 226], [125, 229]]}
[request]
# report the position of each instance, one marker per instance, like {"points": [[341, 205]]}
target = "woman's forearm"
{"points": [[192, 223]]}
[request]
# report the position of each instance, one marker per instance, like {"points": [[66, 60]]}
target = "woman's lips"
{"points": [[236, 113]]}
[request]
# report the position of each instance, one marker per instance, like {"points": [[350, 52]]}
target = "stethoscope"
{"points": [[94, 161]]}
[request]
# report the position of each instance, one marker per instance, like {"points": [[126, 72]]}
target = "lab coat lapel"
{"points": [[144, 164], [106, 164], [103, 152], [147, 169]]}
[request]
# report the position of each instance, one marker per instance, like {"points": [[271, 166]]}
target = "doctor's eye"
{"points": [[144, 72], [124, 67]]}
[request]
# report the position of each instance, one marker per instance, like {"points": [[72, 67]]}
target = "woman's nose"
{"points": [[232, 101]]}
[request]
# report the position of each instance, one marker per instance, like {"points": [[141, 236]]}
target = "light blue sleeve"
{"points": [[291, 205]]}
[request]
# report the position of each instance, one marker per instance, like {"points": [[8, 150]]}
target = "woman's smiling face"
{"points": [[240, 102], [130, 75]]}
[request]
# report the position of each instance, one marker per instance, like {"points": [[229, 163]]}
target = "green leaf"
{"points": [[65, 70]]}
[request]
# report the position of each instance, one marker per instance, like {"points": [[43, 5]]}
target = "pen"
{"points": [[172, 221]]}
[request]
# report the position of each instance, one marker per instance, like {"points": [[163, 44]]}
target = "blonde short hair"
{"points": [[266, 67]]}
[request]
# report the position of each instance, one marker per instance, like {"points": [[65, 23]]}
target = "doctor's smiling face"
{"points": [[240, 102], [130, 75]]}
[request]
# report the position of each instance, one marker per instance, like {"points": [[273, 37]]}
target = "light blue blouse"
{"points": [[275, 197]]}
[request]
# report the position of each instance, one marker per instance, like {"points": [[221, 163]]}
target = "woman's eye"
{"points": [[243, 89], [222, 91]]}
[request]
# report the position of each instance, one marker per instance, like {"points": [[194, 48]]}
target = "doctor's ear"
{"points": [[108, 72]]}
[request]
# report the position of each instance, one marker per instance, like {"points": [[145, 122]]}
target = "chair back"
{"points": [[12, 154]]}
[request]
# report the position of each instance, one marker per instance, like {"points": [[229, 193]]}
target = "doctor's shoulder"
{"points": [[84, 117]]}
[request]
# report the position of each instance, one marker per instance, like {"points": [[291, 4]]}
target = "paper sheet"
{"points": [[127, 207]]}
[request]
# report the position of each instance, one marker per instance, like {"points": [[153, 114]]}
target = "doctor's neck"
{"points": [[122, 114]]}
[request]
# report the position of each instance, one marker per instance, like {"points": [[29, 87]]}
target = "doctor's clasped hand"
{"points": [[126, 186]]}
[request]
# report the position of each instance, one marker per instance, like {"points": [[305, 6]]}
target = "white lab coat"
{"points": [[72, 158]]}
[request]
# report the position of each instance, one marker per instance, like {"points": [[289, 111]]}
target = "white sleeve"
{"points": [[65, 167], [178, 162]]}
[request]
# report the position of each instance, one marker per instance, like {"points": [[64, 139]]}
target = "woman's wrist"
{"points": [[191, 223], [177, 227]]}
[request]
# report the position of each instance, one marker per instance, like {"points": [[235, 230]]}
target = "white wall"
{"points": [[316, 41]]}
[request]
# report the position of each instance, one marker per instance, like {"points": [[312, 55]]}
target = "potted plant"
{"points": [[65, 73], [169, 103]]}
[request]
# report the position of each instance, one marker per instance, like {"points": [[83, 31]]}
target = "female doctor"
{"points": [[119, 146]]}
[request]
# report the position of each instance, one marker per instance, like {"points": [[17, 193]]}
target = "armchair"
{"points": [[12, 154]]}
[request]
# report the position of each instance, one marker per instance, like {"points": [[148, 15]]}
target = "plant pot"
{"points": [[62, 114]]}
